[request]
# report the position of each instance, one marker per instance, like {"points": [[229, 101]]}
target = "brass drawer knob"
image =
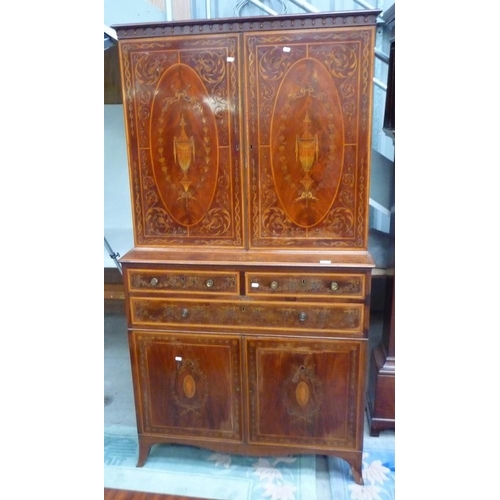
{"points": [[302, 316], [154, 281], [274, 285], [334, 285], [185, 312], [209, 283]]}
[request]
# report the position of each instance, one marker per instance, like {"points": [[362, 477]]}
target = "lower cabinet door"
{"points": [[187, 385], [306, 392]]}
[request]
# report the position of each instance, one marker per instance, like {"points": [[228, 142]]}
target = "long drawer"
{"points": [[347, 318]]}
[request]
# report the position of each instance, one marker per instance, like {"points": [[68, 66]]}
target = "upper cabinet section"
{"points": [[250, 132]]}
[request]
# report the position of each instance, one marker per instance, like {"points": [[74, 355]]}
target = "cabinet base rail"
{"points": [[352, 457]]}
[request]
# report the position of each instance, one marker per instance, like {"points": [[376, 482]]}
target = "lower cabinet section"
{"points": [[250, 394]]}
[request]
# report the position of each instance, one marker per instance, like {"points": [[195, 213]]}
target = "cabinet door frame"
{"points": [[309, 137], [305, 396], [192, 389], [182, 116]]}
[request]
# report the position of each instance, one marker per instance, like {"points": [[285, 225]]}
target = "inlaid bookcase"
{"points": [[248, 286]]}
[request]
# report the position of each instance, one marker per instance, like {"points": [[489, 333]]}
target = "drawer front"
{"points": [[279, 316], [168, 281], [350, 286]]}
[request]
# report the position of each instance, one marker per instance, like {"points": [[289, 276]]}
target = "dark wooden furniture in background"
{"points": [[390, 103], [381, 404], [114, 292], [380, 400], [112, 81], [248, 287]]}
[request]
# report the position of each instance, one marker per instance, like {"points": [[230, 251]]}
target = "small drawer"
{"points": [[240, 314], [306, 285], [197, 282]]}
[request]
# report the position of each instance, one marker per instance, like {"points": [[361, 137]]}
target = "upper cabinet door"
{"points": [[309, 99], [181, 104]]}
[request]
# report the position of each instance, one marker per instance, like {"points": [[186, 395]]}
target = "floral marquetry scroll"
{"points": [[309, 142], [182, 110]]}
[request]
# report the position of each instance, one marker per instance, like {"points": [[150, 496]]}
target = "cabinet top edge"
{"points": [[244, 24], [346, 259]]}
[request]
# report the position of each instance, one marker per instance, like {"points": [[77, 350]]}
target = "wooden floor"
{"points": [[112, 494]]}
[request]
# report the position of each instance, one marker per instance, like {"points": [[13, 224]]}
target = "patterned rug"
{"points": [[190, 471], [378, 476]]}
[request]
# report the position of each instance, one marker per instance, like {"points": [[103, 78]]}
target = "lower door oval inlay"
{"points": [[189, 386], [302, 393]]}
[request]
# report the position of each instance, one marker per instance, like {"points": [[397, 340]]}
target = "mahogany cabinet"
{"points": [[381, 385], [248, 287]]}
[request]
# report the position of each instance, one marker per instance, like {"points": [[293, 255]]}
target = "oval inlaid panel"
{"points": [[184, 145], [302, 393], [189, 386], [307, 142]]}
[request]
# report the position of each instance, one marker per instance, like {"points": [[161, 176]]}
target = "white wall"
{"points": [[117, 204], [132, 11]]}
